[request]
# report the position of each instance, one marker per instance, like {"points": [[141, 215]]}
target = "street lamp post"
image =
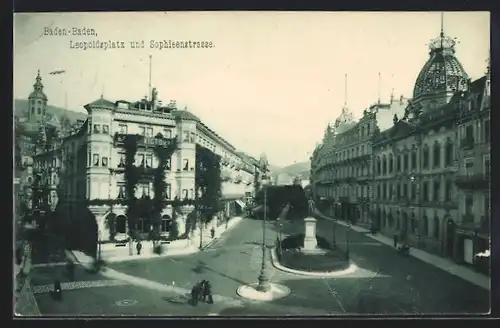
{"points": [[334, 229], [347, 241], [264, 284]]}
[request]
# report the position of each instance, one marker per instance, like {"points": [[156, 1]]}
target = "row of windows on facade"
{"points": [[143, 160], [348, 154], [386, 165], [167, 133], [391, 222], [340, 191], [144, 190], [468, 131], [148, 132], [347, 171], [143, 225], [360, 150], [409, 191], [402, 165], [362, 132]]}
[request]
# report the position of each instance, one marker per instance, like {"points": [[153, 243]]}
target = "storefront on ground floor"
{"points": [[470, 245]]}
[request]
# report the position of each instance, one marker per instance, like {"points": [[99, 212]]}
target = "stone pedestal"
{"points": [[310, 242]]}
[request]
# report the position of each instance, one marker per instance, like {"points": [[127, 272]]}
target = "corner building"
{"points": [[430, 162], [417, 158], [90, 162]]}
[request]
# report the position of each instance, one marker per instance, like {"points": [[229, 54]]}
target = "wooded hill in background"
{"points": [[21, 110]]}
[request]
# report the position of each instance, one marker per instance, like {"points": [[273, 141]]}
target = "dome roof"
{"points": [[38, 94], [38, 89], [442, 72]]}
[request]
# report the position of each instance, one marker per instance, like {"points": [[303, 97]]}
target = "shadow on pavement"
{"points": [[201, 268]]}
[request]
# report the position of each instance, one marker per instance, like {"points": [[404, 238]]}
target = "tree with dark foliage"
{"points": [[208, 182], [131, 179], [163, 153]]}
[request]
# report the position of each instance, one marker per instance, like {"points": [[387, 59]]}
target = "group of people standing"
{"points": [[202, 291]]}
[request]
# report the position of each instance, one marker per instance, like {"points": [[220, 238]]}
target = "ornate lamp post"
{"points": [[348, 233], [264, 284]]}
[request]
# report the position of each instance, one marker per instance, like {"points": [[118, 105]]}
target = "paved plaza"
{"points": [[385, 283]]}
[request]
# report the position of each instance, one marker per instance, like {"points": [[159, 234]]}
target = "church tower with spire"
{"points": [[37, 102]]}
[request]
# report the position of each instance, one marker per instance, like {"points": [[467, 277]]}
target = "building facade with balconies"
{"points": [[89, 164], [417, 158], [472, 181]]}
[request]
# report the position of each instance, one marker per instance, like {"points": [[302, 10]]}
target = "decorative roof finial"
{"points": [[442, 42], [38, 86], [442, 25]]}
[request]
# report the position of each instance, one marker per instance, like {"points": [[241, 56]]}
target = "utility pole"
{"points": [[149, 86]]}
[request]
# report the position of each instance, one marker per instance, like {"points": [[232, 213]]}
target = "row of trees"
{"points": [[279, 196]]}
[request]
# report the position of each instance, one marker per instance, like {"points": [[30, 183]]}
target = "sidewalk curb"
{"points": [[480, 280], [231, 223], [326, 274], [192, 249]]}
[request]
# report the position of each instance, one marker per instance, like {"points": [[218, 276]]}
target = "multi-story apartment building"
{"points": [[88, 165], [473, 178], [425, 152], [346, 172]]}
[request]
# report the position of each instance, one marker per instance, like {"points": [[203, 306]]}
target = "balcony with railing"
{"points": [[143, 141], [473, 181]]}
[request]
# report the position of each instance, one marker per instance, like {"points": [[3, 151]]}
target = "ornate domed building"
{"points": [[441, 76]]}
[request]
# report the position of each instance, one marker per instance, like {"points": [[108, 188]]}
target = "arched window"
{"points": [[425, 157], [391, 163], [425, 226], [384, 165], [121, 224], [379, 169], [449, 153], [39, 111], [414, 159], [414, 225], [436, 227], [437, 155]]}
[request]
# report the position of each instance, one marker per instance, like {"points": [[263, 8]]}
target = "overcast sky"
{"points": [[271, 82]]}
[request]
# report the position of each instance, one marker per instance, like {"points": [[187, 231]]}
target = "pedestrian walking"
{"points": [[395, 241], [212, 232], [195, 294], [208, 292], [139, 248]]}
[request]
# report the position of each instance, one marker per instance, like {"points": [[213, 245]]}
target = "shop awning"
{"points": [[240, 203]]}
